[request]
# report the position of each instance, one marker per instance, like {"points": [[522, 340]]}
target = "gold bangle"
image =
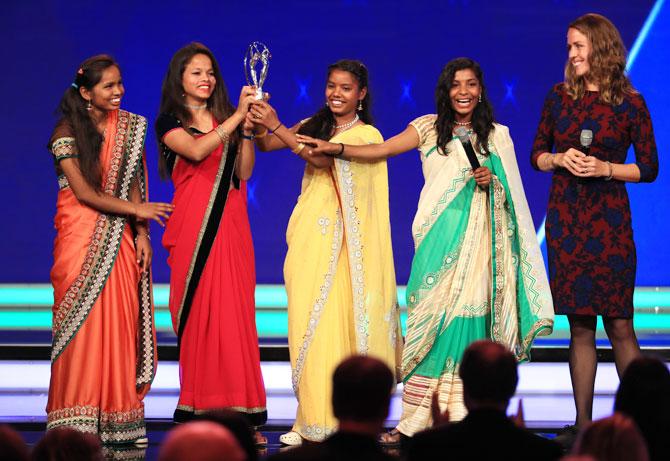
{"points": [[262, 134], [297, 149], [222, 133]]}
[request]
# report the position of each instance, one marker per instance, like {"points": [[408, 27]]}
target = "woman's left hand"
{"points": [[482, 176], [318, 146], [143, 252], [593, 168]]}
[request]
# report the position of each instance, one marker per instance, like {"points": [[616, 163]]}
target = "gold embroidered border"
{"points": [[201, 233], [80, 297]]}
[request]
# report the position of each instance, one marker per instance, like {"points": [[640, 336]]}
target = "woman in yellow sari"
{"points": [[339, 271], [103, 358]]}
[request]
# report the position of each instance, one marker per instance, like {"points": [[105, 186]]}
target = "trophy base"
{"points": [[259, 94]]}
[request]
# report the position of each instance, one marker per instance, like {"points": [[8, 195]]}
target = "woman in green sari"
{"points": [[477, 271]]}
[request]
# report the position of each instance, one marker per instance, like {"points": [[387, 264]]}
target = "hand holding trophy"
{"points": [[257, 53]]}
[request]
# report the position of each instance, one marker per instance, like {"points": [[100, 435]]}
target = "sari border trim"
{"points": [[206, 236], [319, 304], [111, 427], [355, 250], [105, 242]]}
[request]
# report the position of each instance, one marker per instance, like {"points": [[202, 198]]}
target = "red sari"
{"points": [[103, 355], [212, 285]]}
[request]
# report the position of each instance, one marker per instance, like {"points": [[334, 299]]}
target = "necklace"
{"points": [[196, 107], [462, 123], [346, 126]]}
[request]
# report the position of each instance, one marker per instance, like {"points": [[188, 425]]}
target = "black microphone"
{"points": [[463, 136], [585, 139]]}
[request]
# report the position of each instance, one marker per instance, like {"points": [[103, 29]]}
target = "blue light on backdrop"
{"points": [[520, 44]]}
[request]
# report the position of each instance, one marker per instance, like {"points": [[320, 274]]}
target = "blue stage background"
{"points": [[520, 45]]}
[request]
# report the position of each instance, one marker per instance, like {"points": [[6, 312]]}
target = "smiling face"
{"points": [[464, 94], [579, 49], [343, 94], [198, 80], [106, 95]]}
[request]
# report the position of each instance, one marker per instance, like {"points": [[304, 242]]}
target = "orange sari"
{"points": [[103, 355]]}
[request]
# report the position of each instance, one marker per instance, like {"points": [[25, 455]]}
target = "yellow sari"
{"points": [[340, 279]]}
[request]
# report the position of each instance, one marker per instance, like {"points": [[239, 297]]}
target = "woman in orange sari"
{"points": [[103, 355], [211, 254]]}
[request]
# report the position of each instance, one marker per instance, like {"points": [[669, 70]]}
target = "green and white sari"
{"points": [[477, 272]]}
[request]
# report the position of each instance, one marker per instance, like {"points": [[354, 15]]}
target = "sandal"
{"points": [[390, 438], [291, 439], [260, 440]]}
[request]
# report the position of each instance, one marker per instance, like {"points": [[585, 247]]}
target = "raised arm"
{"points": [[263, 114], [197, 149], [403, 142]]}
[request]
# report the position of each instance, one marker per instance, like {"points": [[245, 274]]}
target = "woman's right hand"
{"points": [[264, 114], [318, 146], [572, 160], [153, 210]]}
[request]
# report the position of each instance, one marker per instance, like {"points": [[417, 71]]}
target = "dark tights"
{"points": [[583, 360]]}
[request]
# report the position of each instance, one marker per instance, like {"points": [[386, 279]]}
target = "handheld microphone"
{"points": [[463, 136], [585, 139]]}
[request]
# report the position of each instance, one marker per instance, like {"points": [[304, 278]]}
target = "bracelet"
{"points": [[341, 150], [549, 162], [278, 126], [262, 134], [250, 137], [611, 171], [297, 149], [143, 234], [222, 133]]}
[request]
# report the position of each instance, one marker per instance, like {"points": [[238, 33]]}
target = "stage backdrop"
{"points": [[520, 45]]}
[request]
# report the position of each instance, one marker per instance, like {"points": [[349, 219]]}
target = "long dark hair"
{"points": [[321, 124], [172, 93], [482, 117], [76, 121]]}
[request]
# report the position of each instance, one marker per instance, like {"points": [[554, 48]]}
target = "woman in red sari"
{"points": [[208, 237], [103, 355]]}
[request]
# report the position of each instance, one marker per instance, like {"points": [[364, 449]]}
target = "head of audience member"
{"points": [[644, 395], [12, 446], [201, 441], [362, 389], [615, 438], [238, 426], [489, 374], [67, 444]]}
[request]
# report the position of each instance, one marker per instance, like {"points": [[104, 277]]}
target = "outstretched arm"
{"points": [[262, 113], [403, 142]]}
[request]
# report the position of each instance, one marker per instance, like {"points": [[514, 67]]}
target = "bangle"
{"points": [[297, 149], [222, 133], [262, 134], [341, 150], [278, 126], [549, 162], [611, 171], [140, 234], [250, 137]]}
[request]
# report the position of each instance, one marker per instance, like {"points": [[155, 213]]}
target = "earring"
{"points": [[326, 103], [89, 106], [360, 105], [480, 97]]}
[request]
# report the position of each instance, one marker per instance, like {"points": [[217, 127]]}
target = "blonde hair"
{"points": [[607, 61]]}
